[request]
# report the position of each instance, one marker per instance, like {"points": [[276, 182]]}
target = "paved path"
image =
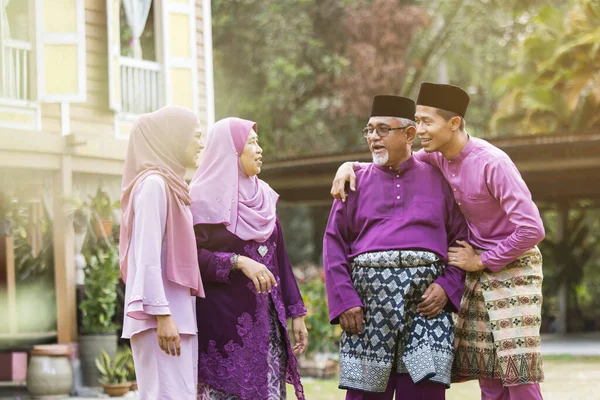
{"points": [[581, 344]]}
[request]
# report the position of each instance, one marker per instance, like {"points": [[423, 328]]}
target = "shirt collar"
{"points": [[403, 166], [469, 147]]}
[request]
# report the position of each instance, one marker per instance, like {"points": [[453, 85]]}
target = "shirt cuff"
{"points": [[295, 310], [453, 300], [137, 309], [491, 266], [334, 315], [222, 263], [157, 310]]}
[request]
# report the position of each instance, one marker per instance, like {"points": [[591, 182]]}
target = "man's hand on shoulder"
{"points": [[345, 173]]}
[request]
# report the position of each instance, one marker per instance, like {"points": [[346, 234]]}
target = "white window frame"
{"points": [[30, 107]]}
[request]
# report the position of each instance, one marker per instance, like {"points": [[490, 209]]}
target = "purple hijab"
{"points": [[221, 191]]}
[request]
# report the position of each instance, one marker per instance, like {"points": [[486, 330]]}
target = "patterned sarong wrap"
{"points": [[390, 284], [498, 325]]}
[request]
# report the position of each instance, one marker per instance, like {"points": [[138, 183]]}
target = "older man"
{"points": [[498, 328], [384, 256]]}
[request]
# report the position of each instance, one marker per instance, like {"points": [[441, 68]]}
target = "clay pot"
{"points": [[50, 372], [116, 389], [134, 386], [103, 228]]}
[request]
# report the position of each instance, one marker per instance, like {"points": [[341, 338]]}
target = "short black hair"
{"points": [[449, 114]]}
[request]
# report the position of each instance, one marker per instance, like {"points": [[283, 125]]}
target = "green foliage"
{"points": [[573, 260], [78, 211], [34, 275], [10, 214], [323, 337], [29, 267], [468, 42], [102, 275], [315, 65], [297, 223], [112, 371], [559, 54], [129, 366], [289, 83], [101, 205], [98, 207]]}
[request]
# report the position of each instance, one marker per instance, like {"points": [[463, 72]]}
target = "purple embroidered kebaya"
{"points": [[233, 347], [243, 343]]}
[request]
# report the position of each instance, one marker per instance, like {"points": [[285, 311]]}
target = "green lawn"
{"points": [[567, 378]]}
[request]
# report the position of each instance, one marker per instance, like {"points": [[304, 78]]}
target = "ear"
{"points": [[455, 122], [411, 133]]}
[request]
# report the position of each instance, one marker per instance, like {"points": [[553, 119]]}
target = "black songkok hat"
{"points": [[445, 97], [393, 106]]}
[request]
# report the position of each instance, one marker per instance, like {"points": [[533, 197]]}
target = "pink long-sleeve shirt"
{"points": [[502, 218], [147, 291]]}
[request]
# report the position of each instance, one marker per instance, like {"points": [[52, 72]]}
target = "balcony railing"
{"points": [[15, 69], [140, 86]]}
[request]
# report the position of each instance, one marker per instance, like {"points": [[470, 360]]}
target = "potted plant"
{"points": [[78, 211], [102, 209], [98, 308], [113, 373], [129, 366]]}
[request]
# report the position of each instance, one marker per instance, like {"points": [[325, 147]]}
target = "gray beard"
{"points": [[381, 159]]}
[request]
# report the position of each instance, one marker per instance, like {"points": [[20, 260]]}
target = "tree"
{"points": [[307, 70], [379, 36], [275, 63], [572, 259], [556, 85], [467, 43]]}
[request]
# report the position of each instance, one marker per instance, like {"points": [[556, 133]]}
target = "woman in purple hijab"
{"points": [[243, 343]]}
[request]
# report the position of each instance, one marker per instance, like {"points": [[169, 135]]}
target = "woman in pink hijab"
{"points": [[159, 262], [244, 347]]}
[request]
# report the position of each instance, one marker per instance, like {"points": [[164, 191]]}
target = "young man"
{"points": [[384, 255], [497, 333]]}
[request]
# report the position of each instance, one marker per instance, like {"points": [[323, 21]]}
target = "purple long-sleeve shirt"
{"points": [[409, 209], [503, 220]]}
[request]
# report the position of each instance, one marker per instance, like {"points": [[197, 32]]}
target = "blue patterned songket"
{"points": [[395, 335]]}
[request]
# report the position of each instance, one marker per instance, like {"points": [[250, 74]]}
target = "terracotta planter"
{"points": [[103, 228], [50, 372], [116, 389], [133, 386]]}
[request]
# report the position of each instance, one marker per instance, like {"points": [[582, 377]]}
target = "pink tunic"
{"points": [[503, 220], [147, 291]]}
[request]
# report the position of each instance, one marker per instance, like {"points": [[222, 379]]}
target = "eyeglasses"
{"points": [[382, 131]]}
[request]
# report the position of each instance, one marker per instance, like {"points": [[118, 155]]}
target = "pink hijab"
{"points": [[221, 191], [157, 147]]}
